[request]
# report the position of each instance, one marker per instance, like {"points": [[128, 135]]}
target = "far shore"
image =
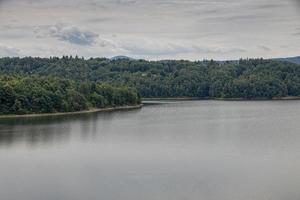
{"points": [[93, 110], [221, 99]]}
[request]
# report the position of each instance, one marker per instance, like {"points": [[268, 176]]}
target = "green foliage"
{"points": [[32, 94], [250, 78]]}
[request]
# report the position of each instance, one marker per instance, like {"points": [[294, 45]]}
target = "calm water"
{"points": [[193, 150]]}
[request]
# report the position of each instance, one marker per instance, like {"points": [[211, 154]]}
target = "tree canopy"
{"points": [[246, 78], [32, 94]]}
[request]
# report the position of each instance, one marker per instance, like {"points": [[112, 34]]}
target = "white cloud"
{"points": [[146, 47]]}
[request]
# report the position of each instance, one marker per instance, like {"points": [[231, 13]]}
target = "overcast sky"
{"points": [[150, 29]]}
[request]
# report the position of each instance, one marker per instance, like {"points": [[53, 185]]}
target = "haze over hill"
{"points": [[291, 59]]}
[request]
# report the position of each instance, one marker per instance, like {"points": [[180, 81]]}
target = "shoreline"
{"points": [[259, 99], [94, 110], [174, 98], [289, 98], [119, 108]]}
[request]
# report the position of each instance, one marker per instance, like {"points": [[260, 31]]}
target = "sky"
{"points": [[151, 29]]}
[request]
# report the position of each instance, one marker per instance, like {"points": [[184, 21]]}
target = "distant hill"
{"points": [[295, 60], [290, 59], [121, 58]]}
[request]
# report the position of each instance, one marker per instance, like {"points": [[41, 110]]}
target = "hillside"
{"points": [[249, 79]]}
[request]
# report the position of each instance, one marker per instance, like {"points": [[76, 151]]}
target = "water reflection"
{"points": [[55, 129]]}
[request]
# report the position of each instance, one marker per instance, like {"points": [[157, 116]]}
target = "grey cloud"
{"points": [[263, 47], [297, 32], [297, 2], [244, 17], [126, 2], [67, 3], [269, 6], [235, 17], [98, 20], [71, 34]]}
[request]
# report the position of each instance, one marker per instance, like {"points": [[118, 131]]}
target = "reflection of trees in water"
{"points": [[34, 134], [98, 125], [56, 129], [46, 119], [40, 130]]}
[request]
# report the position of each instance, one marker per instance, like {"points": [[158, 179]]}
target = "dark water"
{"points": [[192, 150]]}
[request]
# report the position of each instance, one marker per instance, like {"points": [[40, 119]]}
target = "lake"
{"points": [[187, 150]]}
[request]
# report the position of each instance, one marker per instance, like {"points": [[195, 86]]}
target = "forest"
{"points": [[245, 78], [33, 94]]}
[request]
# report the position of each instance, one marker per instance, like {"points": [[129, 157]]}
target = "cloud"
{"points": [[269, 5], [98, 20], [148, 47], [6, 51], [297, 32], [219, 29], [297, 2], [68, 33], [265, 48]]}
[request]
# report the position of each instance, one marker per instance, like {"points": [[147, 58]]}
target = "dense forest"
{"points": [[248, 78], [32, 94]]}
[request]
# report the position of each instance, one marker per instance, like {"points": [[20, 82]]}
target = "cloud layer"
{"points": [[152, 29]]}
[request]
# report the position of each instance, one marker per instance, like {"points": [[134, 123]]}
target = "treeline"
{"points": [[32, 94], [250, 78]]}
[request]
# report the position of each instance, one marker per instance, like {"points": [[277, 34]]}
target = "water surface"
{"points": [[189, 150]]}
